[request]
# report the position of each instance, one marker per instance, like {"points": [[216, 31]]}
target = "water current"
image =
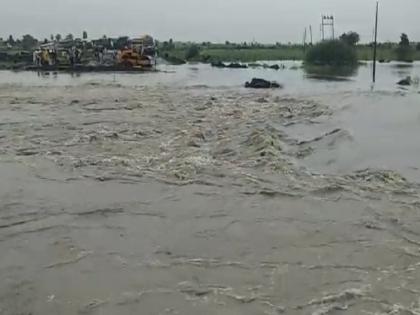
{"points": [[182, 192]]}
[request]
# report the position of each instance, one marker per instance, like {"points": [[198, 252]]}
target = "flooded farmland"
{"points": [[181, 192]]}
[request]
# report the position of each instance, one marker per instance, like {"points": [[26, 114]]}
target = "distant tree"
{"points": [[28, 42], [45, 40], [58, 37], [192, 52], [404, 51], [418, 46], [52, 37], [11, 40], [85, 35], [121, 42], [227, 43], [404, 41], [171, 44], [69, 37], [350, 38]]}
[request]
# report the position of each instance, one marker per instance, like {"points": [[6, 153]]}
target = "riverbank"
{"points": [[210, 53], [252, 54]]}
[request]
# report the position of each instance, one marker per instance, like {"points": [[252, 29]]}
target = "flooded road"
{"points": [[181, 192]]}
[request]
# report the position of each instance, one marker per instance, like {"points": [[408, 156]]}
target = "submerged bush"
{"points": [[192, 52], [332, 53], [330, 73], [404, 51]]}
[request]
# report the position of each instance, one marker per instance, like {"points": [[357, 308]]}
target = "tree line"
{"points": [[404, 49], [28, 42]]}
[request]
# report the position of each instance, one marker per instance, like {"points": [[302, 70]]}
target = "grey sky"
{"points": [[207, 20]]}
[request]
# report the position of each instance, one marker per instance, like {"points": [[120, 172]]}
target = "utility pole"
{"points": [[375, 44], [310, 31]]}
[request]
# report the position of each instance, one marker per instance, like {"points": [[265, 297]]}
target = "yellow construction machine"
{"points": [[141, 53]]}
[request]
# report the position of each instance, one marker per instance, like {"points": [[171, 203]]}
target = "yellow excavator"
{"points": [[140, 54], [131, 58]]}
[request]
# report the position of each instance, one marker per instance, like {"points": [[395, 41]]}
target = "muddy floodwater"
{"points": [[181, 192]]}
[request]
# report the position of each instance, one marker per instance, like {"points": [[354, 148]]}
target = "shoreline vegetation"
{"points": [[364, 53], [344, 50], [15, 53], [238, 53]]}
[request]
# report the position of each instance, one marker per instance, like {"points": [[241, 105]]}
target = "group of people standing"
{"points": [[49, 56]]}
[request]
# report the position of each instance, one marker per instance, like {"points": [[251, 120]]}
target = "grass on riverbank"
{"points": [[248, 55], [251, 54], [241, 54]]}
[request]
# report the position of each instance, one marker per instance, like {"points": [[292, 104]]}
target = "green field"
{"points": [[240, 54], [230, 53], [247, 55]]}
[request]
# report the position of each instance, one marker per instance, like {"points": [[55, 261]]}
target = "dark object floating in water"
{"points": [[262, 84], [232, 65], [218, 64], [384, 61], [325, 77], [236, 66], [266, 66], [403, 65], [405, 82], [274, 67]]}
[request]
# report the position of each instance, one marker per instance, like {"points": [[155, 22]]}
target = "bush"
{"points": [[350, 38], [330, 72], [192, 52], [404, 54], [333, 53], [28, 42], [404, 51]]}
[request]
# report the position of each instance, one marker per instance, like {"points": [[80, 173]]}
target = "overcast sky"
{"points": [[207, 20]]}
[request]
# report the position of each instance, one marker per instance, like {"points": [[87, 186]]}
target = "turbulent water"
{"points": [[126, 197]]}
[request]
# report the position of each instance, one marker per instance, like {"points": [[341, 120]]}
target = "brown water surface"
{"points": [[184, 193]]}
